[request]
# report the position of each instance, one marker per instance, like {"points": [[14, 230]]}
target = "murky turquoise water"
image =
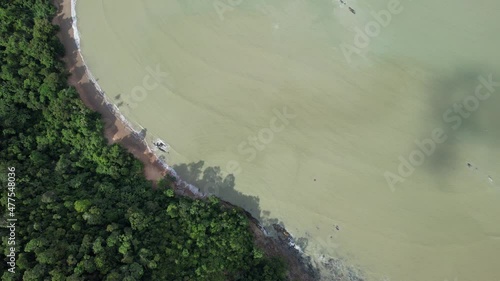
{"points": [[314, 109]]}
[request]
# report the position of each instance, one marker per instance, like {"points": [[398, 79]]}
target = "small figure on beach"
{"points": [[337, 227]]}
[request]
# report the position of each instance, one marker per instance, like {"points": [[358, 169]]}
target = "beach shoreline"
{"points": [[118, 130]]}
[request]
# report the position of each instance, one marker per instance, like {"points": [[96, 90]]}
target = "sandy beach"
{"points": [[114, 129]]}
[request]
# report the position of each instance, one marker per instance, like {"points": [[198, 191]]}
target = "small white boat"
{"points": [[161, 145]]}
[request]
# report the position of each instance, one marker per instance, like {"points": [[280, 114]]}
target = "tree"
{"points": [[82, 205]]}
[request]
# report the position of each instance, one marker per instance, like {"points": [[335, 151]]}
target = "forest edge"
{"points": [[115, 131]]}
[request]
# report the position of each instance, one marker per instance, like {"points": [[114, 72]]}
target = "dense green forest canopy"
{"points": [[84, 208]]}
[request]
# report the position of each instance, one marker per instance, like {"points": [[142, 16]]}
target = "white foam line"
{"points": [[76, 34]]}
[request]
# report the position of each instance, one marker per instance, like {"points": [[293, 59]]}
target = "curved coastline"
{"points": [[118, 129], [128, 124], [192, 190]]}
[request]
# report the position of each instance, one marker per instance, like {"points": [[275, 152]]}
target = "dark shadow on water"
{"points": [[477, 126], [210, 180]]}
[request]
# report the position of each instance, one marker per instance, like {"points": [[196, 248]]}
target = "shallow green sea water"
{"points": [[308, 114]]}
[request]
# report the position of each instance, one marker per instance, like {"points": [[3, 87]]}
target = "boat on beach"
{"points": [[161, 145]]}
